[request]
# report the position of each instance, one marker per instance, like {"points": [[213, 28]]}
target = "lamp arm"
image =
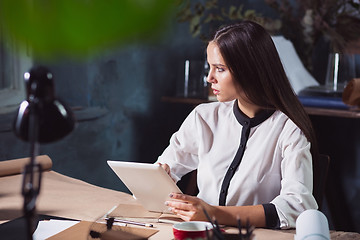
{"points": [[32, 172]]}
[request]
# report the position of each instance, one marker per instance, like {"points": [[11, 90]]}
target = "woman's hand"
{"points": [[165, 167], [189, 208]]}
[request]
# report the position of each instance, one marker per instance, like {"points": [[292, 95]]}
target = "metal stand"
{"points": [[32, 173]]}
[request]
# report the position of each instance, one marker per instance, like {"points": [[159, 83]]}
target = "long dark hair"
{"points": [[253, 60]]}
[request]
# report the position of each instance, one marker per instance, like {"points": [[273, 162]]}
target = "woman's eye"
{"points": [[219, 69]]}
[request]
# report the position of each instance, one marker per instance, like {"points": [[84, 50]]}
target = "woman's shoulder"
{"points": [[213, 111], [282, 117], [214, 106], [284, 122]]}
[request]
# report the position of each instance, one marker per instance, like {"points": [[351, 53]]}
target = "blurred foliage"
{"points": [[303, 22], [205, 17], [52, 28], [306, 22]]}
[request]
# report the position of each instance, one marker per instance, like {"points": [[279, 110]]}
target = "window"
{"points": [[14, 62]]}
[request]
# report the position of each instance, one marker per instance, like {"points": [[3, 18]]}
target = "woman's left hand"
{"points": [[189, 208]]}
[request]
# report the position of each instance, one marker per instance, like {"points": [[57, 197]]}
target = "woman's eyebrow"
{"points": [[218, 65]]}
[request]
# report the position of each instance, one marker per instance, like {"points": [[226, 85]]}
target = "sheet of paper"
{"points": [[82, 229], [132, 211], [296, 72], [48, 228]]}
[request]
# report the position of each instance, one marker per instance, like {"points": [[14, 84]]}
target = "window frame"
{"points": [[19, 60]]}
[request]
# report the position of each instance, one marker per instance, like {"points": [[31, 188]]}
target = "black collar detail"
{"points": [[245, 120]]}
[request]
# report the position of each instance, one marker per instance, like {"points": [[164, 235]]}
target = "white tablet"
{"points": [[149, 183]]}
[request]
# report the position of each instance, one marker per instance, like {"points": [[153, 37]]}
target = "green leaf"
{"points": [[195, 26], [249, 13], [81, 27], [232, 12], [211, 4], [239, 12]]}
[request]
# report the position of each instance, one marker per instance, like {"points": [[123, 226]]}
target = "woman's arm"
{"points": [[190, 208]]}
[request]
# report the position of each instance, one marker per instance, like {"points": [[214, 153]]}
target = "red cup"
{"points": [[192, 230]]}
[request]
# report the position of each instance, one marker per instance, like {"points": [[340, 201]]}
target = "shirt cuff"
{"points": [[271, 216]]}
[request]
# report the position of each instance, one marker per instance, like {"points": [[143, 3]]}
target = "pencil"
{"points": [[132, 222]]}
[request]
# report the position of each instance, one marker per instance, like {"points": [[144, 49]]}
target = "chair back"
{"points": [[320, 174]]}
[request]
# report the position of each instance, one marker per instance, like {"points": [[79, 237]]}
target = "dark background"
{"points": [[121, 116]]}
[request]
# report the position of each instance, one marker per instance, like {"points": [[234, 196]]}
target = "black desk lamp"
{"points": [[41, 118]]}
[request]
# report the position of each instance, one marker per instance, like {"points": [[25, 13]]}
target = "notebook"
{"points": [[149, 183]]}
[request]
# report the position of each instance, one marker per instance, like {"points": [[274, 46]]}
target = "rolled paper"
{"points": [[16, 166], [312, 225]]}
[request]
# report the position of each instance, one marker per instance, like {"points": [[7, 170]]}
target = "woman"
{"points": [[253, 149]]}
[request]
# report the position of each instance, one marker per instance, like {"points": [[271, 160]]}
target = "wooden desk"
{"points": [[355, 113], [71, 198]]}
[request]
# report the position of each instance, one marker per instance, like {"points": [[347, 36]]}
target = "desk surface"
{"points": [[71, 198]]}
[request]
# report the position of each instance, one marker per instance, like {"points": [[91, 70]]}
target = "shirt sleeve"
{"points": [[182, 152], [297, 177], [271, 216]]}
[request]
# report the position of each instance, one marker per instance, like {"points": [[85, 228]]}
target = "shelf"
{"points": [[317, 111], [333, 112]]}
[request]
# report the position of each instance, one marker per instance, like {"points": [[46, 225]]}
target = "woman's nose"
{"points": [[210, 77]]}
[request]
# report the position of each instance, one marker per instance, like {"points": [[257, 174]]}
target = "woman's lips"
{"points": [[216, 92]]}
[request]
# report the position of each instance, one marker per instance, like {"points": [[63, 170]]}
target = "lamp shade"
{"points": [[55, 120]]}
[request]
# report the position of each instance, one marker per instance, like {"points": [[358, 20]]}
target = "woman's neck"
{"points": [[249, 109]]}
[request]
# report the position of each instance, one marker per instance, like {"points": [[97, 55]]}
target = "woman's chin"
{"points": [[222, 99]]}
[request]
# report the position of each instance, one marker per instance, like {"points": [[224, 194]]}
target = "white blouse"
{"points": [[276, 166]]}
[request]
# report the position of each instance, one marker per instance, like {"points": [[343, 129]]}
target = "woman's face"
{"points": [[221, 80]]}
